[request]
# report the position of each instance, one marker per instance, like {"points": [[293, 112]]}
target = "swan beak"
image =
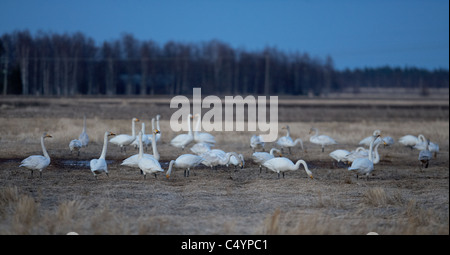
{"points": [[311, 177], [111, 134], [167, 176], [48, 136], [156, 131], [137, 119]]}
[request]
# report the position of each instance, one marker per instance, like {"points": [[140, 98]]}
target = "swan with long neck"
{"points": [[186, 162], [99, 165], [425, 155], [158, 136], [283, 164], [286, 141], [365, 165], [124, 140], [321, 140], [148, 165], [182, 140], [133, 161], [38, 162], [261, 157]]}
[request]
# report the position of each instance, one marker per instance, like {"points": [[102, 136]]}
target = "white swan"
{"points": [[37, 162], [185, 161], [202, 137], [99, 165], [261, 157], [158, 136], [123, 140], [75, 145], [425, 155], [257, 142], [237, 161], [182, 140], [133, 161], [286, 141], [83, 137], [148, 165], [361, 152], [365, 165], [321, 140], [215, 158], [283, 164], [410, 140], [339, 155]]}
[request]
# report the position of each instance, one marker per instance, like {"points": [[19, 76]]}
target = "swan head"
{"points": [[377, 133], [46, 135], [158, 117], [312, 130], [135, 119], [111, 134], [156, 131]]}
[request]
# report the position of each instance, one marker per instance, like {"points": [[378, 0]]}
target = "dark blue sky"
{"points": [[355, 33]]}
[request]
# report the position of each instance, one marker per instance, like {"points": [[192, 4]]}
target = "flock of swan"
{"points": [[360, 160]]}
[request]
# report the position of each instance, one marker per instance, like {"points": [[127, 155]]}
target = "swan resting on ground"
{"points": [[182, 140], [99, 165], [283, 164], [38, 162], [185, 161]]}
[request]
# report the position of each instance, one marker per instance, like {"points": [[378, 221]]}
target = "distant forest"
{"points": [[73, 64]]}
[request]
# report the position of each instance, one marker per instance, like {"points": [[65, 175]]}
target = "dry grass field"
{"points": [[399, 198]]}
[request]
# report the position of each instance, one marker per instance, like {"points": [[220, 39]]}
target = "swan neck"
{"points": [[44, 150], [105, 145], [141, 149], [157, 122], [155, 150], [189, 125], [376, 156], [371, 148], [133, 132], [298, 140], [197, 125], [169, 171], [288, 131]]}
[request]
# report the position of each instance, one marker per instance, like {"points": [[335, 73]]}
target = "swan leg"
{"points": [[323, 148], [40, 174], [107, 175], [185, 171], [278, 175], [145, 176], [283, 175], [260, 168], [289, 150]]}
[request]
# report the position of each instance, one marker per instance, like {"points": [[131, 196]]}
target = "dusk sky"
{"points": [[355, 33]]}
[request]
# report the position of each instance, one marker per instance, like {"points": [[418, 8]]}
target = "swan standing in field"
{"points": [[411, 141], [38, 162], [99, 165], [339, 155], [261, 157], [365, 165], [133, 161], [202, 137], [124, 140], [321, 140], [361, 152], [286, 141], [182, 140], [257, 142], [425, 155], [75, 145], [427, 145], [185, 161], [83, 137], [283, 164], [148, 165]]}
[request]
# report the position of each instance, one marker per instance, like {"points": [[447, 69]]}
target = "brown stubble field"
{"points": [[399, 198]]}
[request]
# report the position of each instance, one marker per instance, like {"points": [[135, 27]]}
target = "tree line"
{"points": [[73, 64]]}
